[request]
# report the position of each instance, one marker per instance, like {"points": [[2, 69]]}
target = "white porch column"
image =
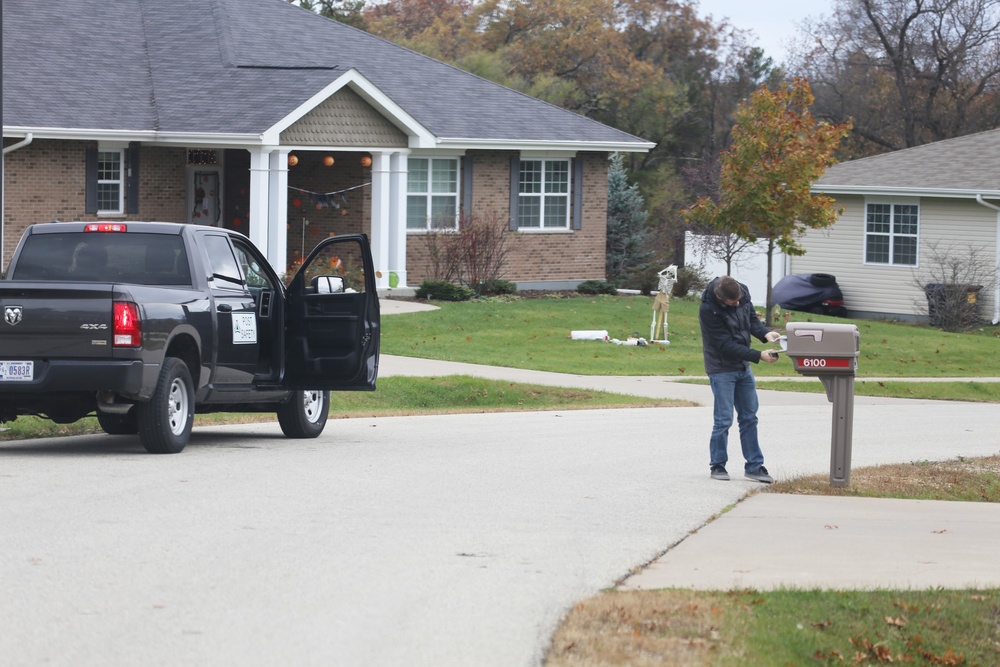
{"points": [[277, 218], [380, 218], [259, 190], [398, 175]]}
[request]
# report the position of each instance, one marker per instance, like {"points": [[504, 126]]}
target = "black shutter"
{"points": [[577, 193], [467, 185], [132, 179], [515, 183], [90, 205]]}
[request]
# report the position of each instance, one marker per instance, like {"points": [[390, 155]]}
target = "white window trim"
{"points": [[567, 225], [430, 194], [121, 180], [893, 201]]}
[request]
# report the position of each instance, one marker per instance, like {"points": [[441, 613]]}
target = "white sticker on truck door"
{"points": [[244, 328]]}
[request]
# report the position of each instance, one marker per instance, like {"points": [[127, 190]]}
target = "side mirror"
{"points": [[328, 284]]}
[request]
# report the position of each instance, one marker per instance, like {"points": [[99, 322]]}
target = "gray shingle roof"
{"points": [[966, 165], [239, 66]]}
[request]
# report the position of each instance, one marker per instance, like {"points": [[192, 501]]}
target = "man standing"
{"points": [[728, 320]]}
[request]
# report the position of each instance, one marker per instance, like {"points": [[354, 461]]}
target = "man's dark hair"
{"points": [[727, 289]]}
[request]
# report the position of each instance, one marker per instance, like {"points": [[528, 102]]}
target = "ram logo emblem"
{"points": [[12, 315]]}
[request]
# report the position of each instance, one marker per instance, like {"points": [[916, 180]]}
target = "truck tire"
{"points": [[116, 424], [822, 279], [165, 421], [305, 414]]}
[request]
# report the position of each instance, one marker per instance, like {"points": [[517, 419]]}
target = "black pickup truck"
{"points": [[147, 323]]}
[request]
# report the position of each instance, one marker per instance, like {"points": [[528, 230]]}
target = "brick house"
{"points": [[260, 116]]}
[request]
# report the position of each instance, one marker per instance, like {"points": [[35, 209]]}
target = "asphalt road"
{"points": [[440, 540]]}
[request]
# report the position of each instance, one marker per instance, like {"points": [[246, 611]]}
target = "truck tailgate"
{"points": [[65, 321]]}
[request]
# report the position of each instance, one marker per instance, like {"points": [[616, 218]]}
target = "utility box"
{"points": [[830, 352]]}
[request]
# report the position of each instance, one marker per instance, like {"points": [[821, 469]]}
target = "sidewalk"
{"points": [[772, 540]]}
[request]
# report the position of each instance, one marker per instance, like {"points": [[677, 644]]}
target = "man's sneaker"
{"points": [[719, 472], [760, 475]]}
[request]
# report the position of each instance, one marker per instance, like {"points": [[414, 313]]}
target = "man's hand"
{"points": [[769, 356], [772, 336]]}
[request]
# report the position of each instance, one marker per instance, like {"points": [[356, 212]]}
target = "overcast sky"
{"points": [[773, 21]]}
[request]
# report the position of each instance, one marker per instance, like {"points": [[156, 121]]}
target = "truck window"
{"points": [[344, 260], [111, 257], [225, 270]]}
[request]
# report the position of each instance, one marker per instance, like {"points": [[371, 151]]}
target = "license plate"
{"points": [[17, 371]]}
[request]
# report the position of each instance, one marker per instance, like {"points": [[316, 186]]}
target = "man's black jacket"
{"points": [[726, 331]]}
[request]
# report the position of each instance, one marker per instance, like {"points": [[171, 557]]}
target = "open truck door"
{"points": [[332, 318]]}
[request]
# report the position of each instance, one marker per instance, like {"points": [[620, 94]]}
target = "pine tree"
{"points": [[628, 235]]}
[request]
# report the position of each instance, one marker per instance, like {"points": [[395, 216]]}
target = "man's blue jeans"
{"points": [[736, 389]]}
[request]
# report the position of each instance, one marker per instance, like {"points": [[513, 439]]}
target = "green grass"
{"points": [[534, 334], [782, 628], [863, 627], [396, 396], [459, 393]]}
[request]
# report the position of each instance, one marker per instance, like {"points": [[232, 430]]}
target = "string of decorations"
{"points": [[321, 200]]}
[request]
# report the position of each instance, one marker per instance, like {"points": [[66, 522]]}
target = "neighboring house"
{"points": [[901, 210], [266, 118]]}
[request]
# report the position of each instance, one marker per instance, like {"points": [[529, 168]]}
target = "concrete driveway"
{"points": [[439, 540]]}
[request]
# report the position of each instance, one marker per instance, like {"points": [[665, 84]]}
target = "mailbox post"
{"points": [[830, 352]]}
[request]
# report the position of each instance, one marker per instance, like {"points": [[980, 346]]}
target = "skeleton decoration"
{"points": [[661, 305]]}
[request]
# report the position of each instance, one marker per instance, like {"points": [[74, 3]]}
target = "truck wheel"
{"points": [[305, 413], [116, 424], [165, 421]]}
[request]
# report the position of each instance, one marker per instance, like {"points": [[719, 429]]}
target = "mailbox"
{"points": [[823, 349], [830, 351]]}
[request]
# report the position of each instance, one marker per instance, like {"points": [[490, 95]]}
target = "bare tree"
{"points": [[484, 245], [907, 72], [952, 277], [728, 248], [475, 254]]}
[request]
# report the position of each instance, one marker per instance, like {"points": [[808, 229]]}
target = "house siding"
{"points": [[46, 181], [344, 119], [536, 257], [894, 291]]}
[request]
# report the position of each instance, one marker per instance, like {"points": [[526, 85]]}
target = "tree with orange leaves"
{"points": [[777, 152]]}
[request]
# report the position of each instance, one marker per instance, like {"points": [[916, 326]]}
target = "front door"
{"points": [[204, 187], [332, 317]]}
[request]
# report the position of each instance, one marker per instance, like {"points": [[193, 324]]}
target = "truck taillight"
{"points": [[127, 327]]}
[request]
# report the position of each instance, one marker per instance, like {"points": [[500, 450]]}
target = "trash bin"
{"points": [[952, 306]]}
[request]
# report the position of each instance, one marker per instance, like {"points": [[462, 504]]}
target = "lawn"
{"points": [[535, 334]]}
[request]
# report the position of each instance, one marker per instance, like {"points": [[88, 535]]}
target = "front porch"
{"points": [[301, 196]]}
